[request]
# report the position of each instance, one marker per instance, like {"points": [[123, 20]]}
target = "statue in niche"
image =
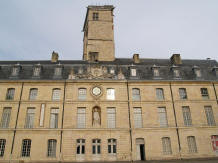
{"points": [[96, 117]]}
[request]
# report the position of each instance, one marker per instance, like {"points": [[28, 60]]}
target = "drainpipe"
{"points": [[62, 123], [215, 92], [12, 146], [177, 130], [130, 126]]}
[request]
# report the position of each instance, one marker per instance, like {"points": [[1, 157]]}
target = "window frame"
{"points": [[82, 94], [112, 146], [80, 147], [33, 93], [110, 94], [166, 146], [52, 147], [205, 93], [111, 117], [2, 147], [183, 94], [10, 94], [30, 117], [136, 95], [56, 96], [96, 146], [6, 117], [81, 117], [26, 148], [187, 116], [138, 120], [192, 146], [160, 94]]}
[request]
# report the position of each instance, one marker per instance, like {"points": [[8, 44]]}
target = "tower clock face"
{"points": [[96, 91]]}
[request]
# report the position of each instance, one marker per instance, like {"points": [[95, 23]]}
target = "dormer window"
{"points": [[80, 71], [58, 71], [133, 71], [112, 71], [197, 71], [36, 71], [15, 71], [215, 70], [175, 71], [95, 16], [156, 71]]}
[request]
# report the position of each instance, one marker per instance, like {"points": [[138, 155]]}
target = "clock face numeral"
{"points": [[96, 91]]}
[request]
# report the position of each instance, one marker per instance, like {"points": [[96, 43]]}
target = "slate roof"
{"points": [[209, 69]]}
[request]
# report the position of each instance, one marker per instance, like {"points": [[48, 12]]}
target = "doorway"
{"points": [[140, 149]]}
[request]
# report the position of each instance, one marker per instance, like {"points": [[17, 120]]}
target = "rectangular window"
{"points": [[81, 117], [166, 143], [156, 72], [182, 93], [30, 118], [2, 147], [204, 93], [138, 117], [162, 116], [6, 116], [136, 94], [187, 116], [10, 94], [82, 94], [52, 147], [112, 146], [198, 73], [111, 117], [192, 144], [15, 71], [80, 149], [133, 72], [159, 93], [95, 16], [26, 147], [33, 93], [56, 94], [110, 94], [214, 140], [36, 71], [54, 118], [176, 73], [96, 146], [209, 116], [58, 71]]}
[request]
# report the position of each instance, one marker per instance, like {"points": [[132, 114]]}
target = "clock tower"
{"points": [[98, 41]]}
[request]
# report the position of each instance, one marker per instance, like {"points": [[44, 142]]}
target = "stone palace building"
{"points": [[104, 108]]}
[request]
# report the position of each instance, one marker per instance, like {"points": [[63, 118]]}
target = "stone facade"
{"points": [[108, 109]]}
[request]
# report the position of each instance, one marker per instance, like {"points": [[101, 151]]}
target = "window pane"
{"points": [[111, 117], [2, 147], [204, 93], [33, 94], [110, 94], [136, 94], [209, 116], [81, 117], [182, 93], [82, 94], [163, 117], [166, 146], [138, 117], [133, 72], [187, 116], [54, 118], [30, 118], [160, 94], [26, 146], [10, 94], [52, 148], [6, 115], [192, 144], [56, 94]]}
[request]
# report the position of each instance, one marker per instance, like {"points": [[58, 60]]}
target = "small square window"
{"points": [[95, 16]]}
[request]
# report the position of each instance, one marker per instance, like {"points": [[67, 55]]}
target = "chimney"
{"points": [[54, 57], [136, 58], [176, 59]]}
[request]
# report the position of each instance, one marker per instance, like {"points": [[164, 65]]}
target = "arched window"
{"points": [[56, 94], [33, 93], [136, 94]]}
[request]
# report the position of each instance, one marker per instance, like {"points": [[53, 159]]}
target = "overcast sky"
{"points": [[32, 29]]}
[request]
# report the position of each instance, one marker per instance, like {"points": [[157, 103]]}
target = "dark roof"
{"points": [[208, 69]]}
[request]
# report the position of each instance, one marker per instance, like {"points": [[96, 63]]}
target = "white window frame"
{"points": [[81, 148], [160, 93], [82, 93], [26, 148], [6, 116], [96, 146], [138, 121], [33, 94], [30, 116], [111, 118], [204, 93], [56, 94], [166, 144], [81, 117], [209, 116], [192, 146], [10, 94], [187, 116], [183, 94], [162, 116], [112, 146], [136, 94], [110, 94], [52, 145], [36, 71], [54, 117], [133, 72]]}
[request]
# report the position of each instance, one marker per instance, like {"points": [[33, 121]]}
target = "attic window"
{"points": [[176, 73], [112, 71], [36, 71], [58, 71], [133, 72], [95, 16], [156, 72], [197, 72], [15, 71]]}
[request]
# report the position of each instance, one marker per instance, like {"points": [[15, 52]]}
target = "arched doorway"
{"points": [[140, 149]]}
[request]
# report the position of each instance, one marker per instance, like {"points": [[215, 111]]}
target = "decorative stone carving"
{"points": [[96, 117]]}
